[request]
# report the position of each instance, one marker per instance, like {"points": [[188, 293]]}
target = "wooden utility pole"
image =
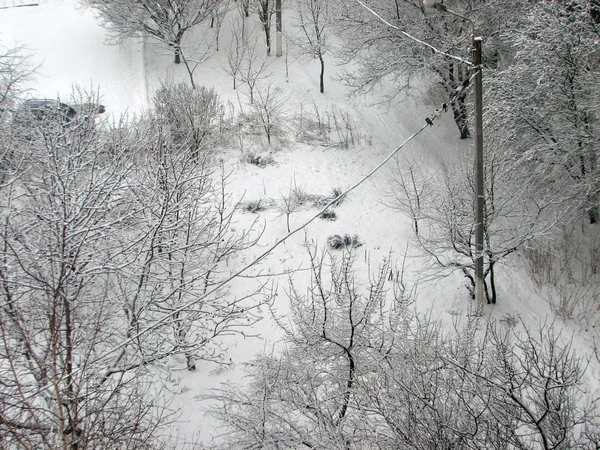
{"points": [[479, 194], [278, 29]]}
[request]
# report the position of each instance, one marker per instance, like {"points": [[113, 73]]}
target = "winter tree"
{"points": [[408, 39], [265, 10], [440, 203], [193, 117], [313, 23], [268, 106], [59, 311], [164, 20], [252, 66], [546, 101], [236, 50], [15, 71]]}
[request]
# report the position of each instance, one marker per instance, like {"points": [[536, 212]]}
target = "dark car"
{"points": [[52, 115], [45, 110]]}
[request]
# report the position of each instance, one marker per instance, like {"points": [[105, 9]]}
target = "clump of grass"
{"points": [[259, 160], [336, 193], [337, 242], [302, 197], [324, 200], [255, 206], [328, 214]]}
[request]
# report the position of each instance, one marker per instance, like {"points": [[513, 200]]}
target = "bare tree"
{"points": [[236, 50], [550, 109], [15, 71], [265, 10], [313, 22], [216, 21], [176, 252], [268, 105], [58, 309], [165, 20], [440, 206], [245, 7], [202, 51], [192, 116], [288, 205], [253, 67], [333, 324], [420, 40]]}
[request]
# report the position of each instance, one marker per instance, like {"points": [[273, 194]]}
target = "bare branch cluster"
{"points": [[109, 234], [359, 368]]}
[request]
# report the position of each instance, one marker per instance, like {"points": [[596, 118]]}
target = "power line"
{"points": [[161, 321], [262, 256], [443, 108]]}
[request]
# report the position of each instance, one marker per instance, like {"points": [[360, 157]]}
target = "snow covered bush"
{"points": [[328, 214], [193, 116], [261, 160], [338, 242]]}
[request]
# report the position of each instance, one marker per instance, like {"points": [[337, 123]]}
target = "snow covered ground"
{"points": [[70, 47]]}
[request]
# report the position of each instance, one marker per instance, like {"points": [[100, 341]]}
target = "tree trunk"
{"points": [[490, 294], [268, 37], [177, 54], [459, 111], [592, 210], [278, 29], [322, 76], [452, 79]]}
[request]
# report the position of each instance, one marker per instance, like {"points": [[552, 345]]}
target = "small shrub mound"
{"points": [[302, 197], [261, 160], [328, 214], [337, 242], [335, 193], [320, 201], [255, 206]]}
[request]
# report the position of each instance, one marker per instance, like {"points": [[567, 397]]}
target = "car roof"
{"points": [[46, 103]]}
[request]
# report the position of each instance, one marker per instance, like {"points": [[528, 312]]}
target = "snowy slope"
{"points": [[70, 47]]}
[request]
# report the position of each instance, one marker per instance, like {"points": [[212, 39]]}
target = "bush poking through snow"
{"points": [[336, 193], [302, 197], [194, 117], [328, 214], [261, 160], [255, 206], [330, 128], [337, 242]]}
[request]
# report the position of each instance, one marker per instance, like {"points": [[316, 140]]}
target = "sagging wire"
{"points": [[429, 121], [466, 84], [258, 259]]}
